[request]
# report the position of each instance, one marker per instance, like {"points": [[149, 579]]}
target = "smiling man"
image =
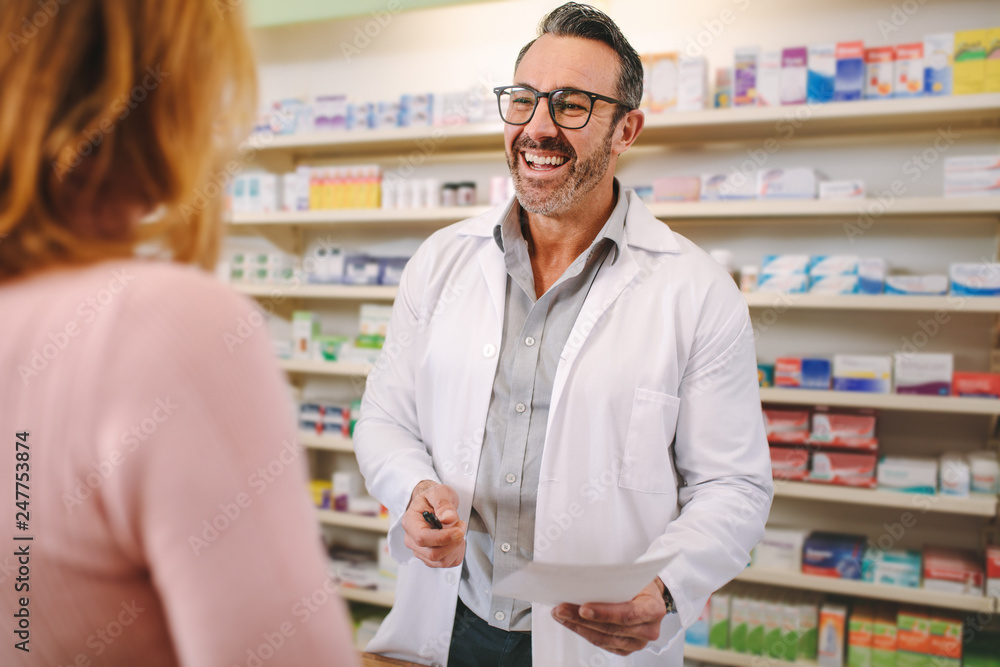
{"points": [[564, 380]]}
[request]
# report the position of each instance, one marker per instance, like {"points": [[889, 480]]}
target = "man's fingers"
{"points": [[620, 645], [624, 613]]}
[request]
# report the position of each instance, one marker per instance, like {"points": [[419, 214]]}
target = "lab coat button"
{"points": [[489, 350], [467, 468], [520, 407], [505, 547], [499, 616], [450, 578], [511, 478], [529, 341]]}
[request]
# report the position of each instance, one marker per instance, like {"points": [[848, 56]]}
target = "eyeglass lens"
{"points": [[571, 109]]}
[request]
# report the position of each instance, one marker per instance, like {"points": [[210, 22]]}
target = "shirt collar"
{"points": [[509, 225]]}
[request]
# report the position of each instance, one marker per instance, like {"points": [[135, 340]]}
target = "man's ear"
{"points": [[629, 130]]}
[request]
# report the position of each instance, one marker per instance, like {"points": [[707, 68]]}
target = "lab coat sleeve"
{"points": [[721, 454], [391, 455]]}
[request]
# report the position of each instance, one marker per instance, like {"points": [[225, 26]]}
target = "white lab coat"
{"points": [[655, 443]]}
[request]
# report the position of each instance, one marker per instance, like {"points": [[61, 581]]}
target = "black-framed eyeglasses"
{"points": [[569, 108]]}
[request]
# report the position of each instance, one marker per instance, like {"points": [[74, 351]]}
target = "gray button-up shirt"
{"points": [[500, 537]]}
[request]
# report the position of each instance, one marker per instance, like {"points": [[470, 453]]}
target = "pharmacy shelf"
{"points": [[878, 302], [326, 443], [378, 598], [790, 579], [339, 368], [374, 524], [360, 216], [734, 659], [978, 504], [343, 292], [858, 399], [712, 125], [802, 211]]}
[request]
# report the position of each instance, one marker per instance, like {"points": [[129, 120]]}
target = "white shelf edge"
{"points": [[326, 442], [878, 302], [339, 368], [733, 659], [358, 216], [981, 505], [345, 292], [789, 579], [372, 524], [857, 399]]}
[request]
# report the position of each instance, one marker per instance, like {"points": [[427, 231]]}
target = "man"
{"points": [[564, 380]]}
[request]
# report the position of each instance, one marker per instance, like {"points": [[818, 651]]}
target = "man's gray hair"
{"points": [[576, 20]]}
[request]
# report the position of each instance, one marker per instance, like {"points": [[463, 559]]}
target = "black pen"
{"points": [[432, 521]]}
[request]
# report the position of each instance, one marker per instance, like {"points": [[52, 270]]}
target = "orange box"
{"points": [[976, 384], [913, 630], [946, 636]]}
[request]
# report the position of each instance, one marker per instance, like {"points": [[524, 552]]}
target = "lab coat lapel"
{"points": [[495, 273]]}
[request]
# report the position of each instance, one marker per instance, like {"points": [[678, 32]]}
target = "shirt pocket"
{"points": [[647, 462]]}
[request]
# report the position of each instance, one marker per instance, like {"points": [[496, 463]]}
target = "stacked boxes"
{"points": [[972, 176]]}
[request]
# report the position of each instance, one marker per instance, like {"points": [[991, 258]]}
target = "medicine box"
{"points": [[938, 50], [692, 86], [794, 75], [677, 188], [860, 631], [972, 184], [980, 279], [945, 641], [787, 647], [909, 81], [723, 94], [774, 617], [790, 463], [822, 73], [661, 81], [718, 619], [802, 373], [755, 626], [780, 549], [910, 474], [832, 634], [913, 631], [769, 79], [790, 183], [797, 283], [993, 571], [785, 264], [985, 471], [330, 112], [884, 641], [786, 426], [833, 265], [930, 285], [951, 570], [880, 72], [871, 275], [847, 189], [850, 81], [844, 469], [739, 621], [834, 285], [305, 329], [954, 475], [745, 76], [866, 373], [697, 633], [735, 185], [921, 373], [980, 385], [765, 375], [969, 69], [844, 430], [833, 555]]}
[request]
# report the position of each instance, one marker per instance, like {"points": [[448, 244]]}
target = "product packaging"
{"points": [[975, 385], [895, 567], [867, 373], [832, 634], [931, 285], [913, 635], [860, 633], [797, 283], [850, 82], [884, 636], [985, 471], [969, 70], [833, 265], [723, 88], [360, 269], [785, 264], [909, 70], [844, 469], [833, 555], [855, 430], [735, 185], [834, 285], [808, 627], [745, 76], [951, 570], [765, 374], [911, 474], [780, 549], [790, 463], [945, 642], [848, 189], [920, 373], [718, 618], [799, 373], [955, 476], [697, 633], [993, 571], [330, 113], [346, 486], [374, 325], [980, 279], [661, 81], [786, 426], [774, 616], [769, 71], [871, 275], [320, 491], [755, 625], [993, 60], [692, 87], [305, 329], [822, 73], [791, 183], [880, 72], [387, 115], [677, 188], [739, 620], [938, 50], [794, 75]]}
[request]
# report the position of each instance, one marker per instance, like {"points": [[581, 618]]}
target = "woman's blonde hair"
{"points": [[104, 99]]}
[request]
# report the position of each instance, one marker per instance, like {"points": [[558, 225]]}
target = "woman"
{"points": [[154, 462]]}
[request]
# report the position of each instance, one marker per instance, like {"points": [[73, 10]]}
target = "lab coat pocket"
{"points": [[647, 464]]}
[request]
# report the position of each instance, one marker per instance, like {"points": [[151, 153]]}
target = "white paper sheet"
{"points": [[554, 583]]}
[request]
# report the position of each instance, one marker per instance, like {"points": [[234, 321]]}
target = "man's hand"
{"points": [[621, 628], [434, 547]]}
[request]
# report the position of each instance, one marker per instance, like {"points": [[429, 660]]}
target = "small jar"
{"points": [[449, 194], [467, 193]]}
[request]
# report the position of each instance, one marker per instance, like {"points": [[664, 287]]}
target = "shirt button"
{"points": [[505, 547], [467, 468], [529, 341], [489, 350], [499, 616], [511, 478], [520, 407]]}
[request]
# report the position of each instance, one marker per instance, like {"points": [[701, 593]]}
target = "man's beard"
{"points": [[581, 177]]}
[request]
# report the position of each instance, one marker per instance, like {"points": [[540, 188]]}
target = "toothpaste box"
{"points": [[993, 571], [909, 80], [868, 373], [797, 283], [794, 75], [745, 76], [822, 72], [769, 79], [800, 373], [932, 285], [880, 72], [892, 568], [850, 81], [918, 373], [792, 183], [834, 285], [884, 636], [692, 84], [844, 469], [938, 50], [844, 430], [848, 189], [833, 555], [786, 426], [780, 549], [661, 81], [952, 570], [833, 265], [871, 275], [911, 474], [979, 385], [969, 69], [832, 634], [975, 279], [785, 264], [718, 619], [860, 630], [791, 463]]}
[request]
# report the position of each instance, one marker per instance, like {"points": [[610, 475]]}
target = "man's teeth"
{"points": [[538, 159]]}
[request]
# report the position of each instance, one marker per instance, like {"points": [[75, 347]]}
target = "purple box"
{"points": [[794, 75]]}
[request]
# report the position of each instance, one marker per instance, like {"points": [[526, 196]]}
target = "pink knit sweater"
{"points": [[167, 500]]}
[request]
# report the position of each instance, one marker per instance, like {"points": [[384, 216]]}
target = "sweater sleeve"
{"points": [[211, 496]]}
